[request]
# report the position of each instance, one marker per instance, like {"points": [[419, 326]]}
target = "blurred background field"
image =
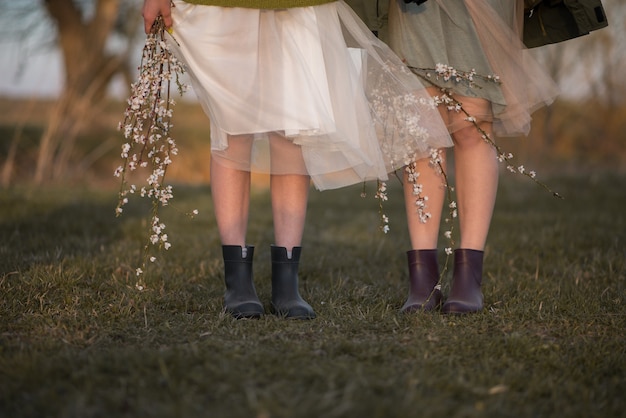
{"points": [[590, 138]]}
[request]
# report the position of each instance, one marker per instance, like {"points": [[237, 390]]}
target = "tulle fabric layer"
{"points": [[475, 35], [304, 91]]}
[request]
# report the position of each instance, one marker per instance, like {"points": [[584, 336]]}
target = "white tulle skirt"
{"points": [[304, 91]]}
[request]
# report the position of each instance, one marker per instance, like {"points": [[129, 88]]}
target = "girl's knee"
{"points": [[471, 135]]}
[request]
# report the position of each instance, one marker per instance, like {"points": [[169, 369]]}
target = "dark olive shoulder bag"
{"points": [[552, 21]]}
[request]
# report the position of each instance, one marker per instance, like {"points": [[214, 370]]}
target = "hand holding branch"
{"points": [[154, 8]]}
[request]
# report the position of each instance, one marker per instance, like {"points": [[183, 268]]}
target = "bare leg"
{"points": [[476, 174], [289, 204], [424, 235], [230, 189], [289, 193]]}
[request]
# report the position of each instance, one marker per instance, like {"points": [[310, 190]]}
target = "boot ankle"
{"points": [[286, 299], [424, 292], [465, 294], [240, 298]]}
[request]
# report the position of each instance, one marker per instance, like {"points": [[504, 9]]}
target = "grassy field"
{"points": [[77, 339]]}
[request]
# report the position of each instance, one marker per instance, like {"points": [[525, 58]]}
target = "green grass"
{"points": [[78, 340]]}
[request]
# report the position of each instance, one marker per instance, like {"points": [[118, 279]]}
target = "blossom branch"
{"points": [[146, 127], [448, 73]]}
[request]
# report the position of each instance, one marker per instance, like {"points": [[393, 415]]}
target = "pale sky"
{"points": [[41, 75]]}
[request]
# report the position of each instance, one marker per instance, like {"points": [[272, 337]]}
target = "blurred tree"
{"points": [[89, 67], [83, 31]]}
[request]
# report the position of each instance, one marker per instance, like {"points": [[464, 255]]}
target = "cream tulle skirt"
{"points": [[484, 36], [304, 91]]}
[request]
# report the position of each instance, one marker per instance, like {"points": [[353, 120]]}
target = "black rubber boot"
{"points": [[465, 294], [286, 300], [240, 299], [424, 294]]}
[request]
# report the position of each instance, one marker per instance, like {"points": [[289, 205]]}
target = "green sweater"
{"points": [[261, 4]]}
